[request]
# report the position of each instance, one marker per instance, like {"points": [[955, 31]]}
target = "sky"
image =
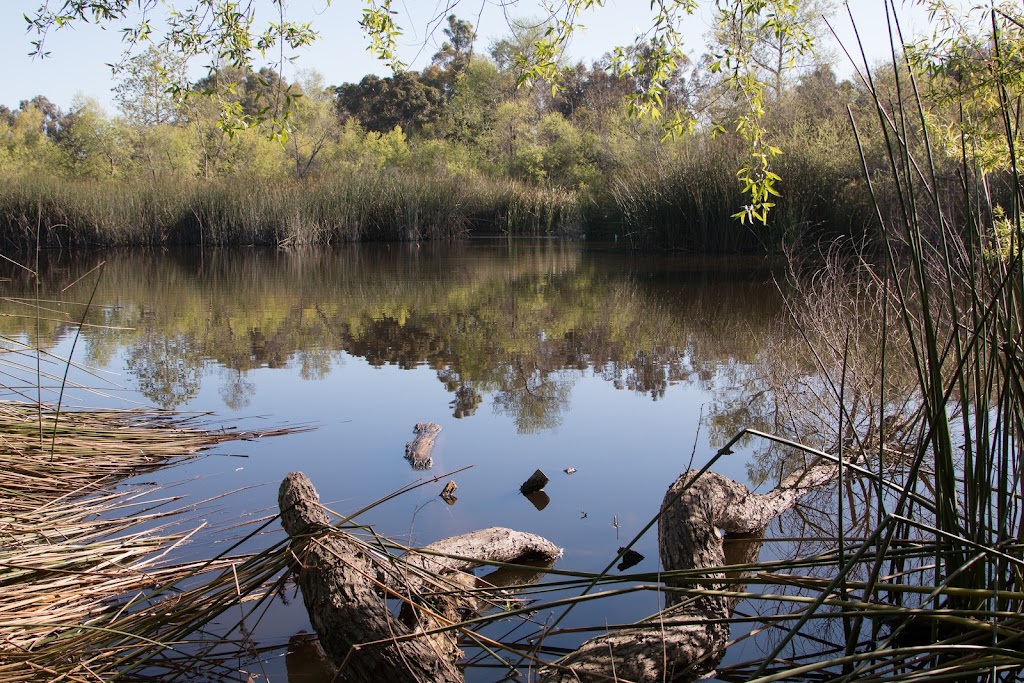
{"points": [[80, 55]]}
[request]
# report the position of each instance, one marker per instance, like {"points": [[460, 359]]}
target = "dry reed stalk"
{"points": [[86, 586]]}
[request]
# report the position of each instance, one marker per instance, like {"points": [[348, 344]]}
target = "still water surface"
{"points": [[548, 356]]}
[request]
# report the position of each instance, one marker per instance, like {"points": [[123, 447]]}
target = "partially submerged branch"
{"points": [[694, 509], [345, 586], [343, 581]]}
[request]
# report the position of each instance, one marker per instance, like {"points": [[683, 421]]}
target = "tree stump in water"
{"points": [[345, 585], [695, 507], [342, 582], [418, 451]]}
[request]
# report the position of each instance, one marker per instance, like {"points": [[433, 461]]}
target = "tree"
{"points": [[314, 124], [146, 93], [53, 120], [24, 146], [379, 104], [772, 44], [456, 52], [92, 144]]}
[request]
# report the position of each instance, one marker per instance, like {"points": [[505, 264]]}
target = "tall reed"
{"points": [[686, 201], [382, 205], [931, 582]]}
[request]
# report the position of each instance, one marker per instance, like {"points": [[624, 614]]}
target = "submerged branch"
{"points": [[345, 583], [695, 507]]}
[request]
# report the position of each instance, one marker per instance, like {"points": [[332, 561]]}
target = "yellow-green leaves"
{"points": [[378, 23]]}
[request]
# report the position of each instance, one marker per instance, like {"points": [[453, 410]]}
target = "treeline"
{"points": [[458, 148]]}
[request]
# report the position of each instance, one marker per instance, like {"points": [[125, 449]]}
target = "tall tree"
{"points": [[313, 126], [456, 52], [407, 99], [146, 93]]}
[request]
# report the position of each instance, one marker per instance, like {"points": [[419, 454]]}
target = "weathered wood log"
{"points": [[345, 585], [418, 451], [340, 583], [695, 507], [496, 544]]}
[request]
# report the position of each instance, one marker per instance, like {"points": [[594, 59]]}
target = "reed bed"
{"points": [[687, 201], [386, 205], [87, 577]]}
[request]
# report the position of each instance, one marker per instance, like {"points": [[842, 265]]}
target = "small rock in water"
{"points": [[570, 470]]}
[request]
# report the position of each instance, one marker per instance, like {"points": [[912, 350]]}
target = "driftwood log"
{"points": [[695, 507], [342, 587], [345, 586], [419, 451]]}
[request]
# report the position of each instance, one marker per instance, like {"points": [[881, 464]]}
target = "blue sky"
{"points": [[79, 55]]}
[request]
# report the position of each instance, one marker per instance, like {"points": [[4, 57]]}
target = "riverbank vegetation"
{"points": [[87, 559], [459, 148]]}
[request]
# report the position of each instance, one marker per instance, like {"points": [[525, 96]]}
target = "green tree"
{"points": [[406, 99], [24, 145], [774, 42], [457, 51], [314, 126], [93, 146], [146, 92]]}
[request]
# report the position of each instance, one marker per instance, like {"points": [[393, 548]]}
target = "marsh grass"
{"points": [[686, 201], [90, 588], [385, 205]]}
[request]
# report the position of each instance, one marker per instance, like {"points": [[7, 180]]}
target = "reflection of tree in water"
{"points": [[316, 363], [648, 371], [534, 399], [467, 398], [388, 342], [169, 369], [824, 388], [237, 389], [515, 324]]}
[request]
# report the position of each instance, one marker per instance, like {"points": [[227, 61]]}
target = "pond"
{"points": [[611, 372]]}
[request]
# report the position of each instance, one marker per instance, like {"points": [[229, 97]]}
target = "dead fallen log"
{"points": [[695, 507], [342, 584], [419, 451], [345, 586]]}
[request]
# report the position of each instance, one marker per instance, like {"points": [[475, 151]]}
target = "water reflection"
{"points": [[531, 330], [516, 323]]}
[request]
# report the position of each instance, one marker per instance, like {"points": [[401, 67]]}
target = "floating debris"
{"points": [[570, 470], [448, 493], [537, 481], [418, 451], [630, 558]]}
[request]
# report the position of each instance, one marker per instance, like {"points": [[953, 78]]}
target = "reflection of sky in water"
{"points": [[626, 448]]}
